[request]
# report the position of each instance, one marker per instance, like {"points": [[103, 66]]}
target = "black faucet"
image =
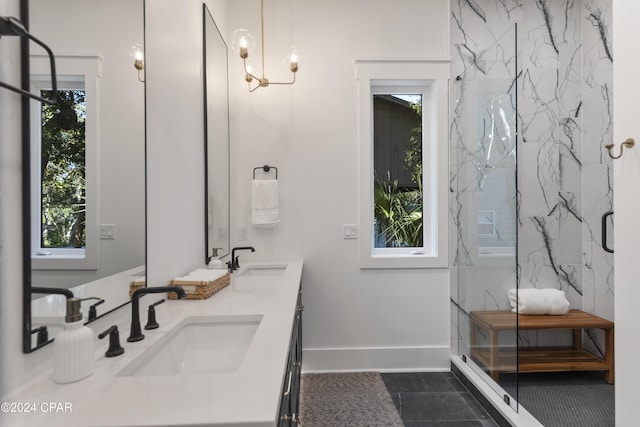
{"points": [[115, 349], [136, 330], [58, 291], [152, 323], [93, 313], [43, 335], [234, 264]]}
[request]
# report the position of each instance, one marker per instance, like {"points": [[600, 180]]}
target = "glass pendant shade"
{"points": [[293, 59], [243, 42], [137, 53], [249, 69]]}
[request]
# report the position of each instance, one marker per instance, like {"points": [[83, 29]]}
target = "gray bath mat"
{"points": [[346, 399]]}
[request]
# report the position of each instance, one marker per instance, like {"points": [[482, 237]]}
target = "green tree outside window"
{"points": [[62, 163]]}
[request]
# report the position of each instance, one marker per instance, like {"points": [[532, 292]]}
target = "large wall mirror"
{"points": [[85, 204], [216, 108]]}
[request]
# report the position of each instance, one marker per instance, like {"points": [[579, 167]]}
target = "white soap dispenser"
{"points": [[214, 261], [73, 347]]}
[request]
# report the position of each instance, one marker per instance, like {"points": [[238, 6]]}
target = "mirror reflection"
{"points": [[216, 140], [87, 215]]}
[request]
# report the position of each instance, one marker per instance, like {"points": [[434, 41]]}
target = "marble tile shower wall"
{"points": [[564, 67]]}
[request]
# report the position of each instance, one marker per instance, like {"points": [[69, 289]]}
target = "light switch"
{"points": [[107, 231], [350, 231]]}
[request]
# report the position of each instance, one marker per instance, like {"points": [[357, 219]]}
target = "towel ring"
{"points": [[265, 168]]}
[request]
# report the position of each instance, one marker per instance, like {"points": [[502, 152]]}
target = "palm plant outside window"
{"points": [[397, 156]]}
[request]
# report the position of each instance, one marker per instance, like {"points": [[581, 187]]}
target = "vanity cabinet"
{"points": [[289, 414]]}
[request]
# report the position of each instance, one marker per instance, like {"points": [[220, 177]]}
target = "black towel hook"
{"points": [[265, 168]]}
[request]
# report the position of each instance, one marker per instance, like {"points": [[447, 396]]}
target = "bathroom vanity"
{"points": [[234, 358]]}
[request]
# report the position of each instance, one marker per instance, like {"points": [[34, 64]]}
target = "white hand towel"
{"points": [[265, 210], [203, 275], [538, 301]]}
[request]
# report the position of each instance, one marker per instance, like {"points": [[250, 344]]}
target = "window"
{"points": [[60, 149], [403, 163], [496, 225], [486, 223], [63, 168], [397, 170]]}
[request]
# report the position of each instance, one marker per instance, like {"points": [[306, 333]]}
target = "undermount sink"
{"points": [[198, 345], [264, 270]]}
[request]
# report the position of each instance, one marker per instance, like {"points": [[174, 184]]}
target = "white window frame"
{"points": [[72, 71], [431, 79]]}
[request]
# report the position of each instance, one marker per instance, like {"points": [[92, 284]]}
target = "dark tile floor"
{"points": [[426, 399]]}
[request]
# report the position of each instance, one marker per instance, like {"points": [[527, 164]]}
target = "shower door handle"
{"points": [[604, 231]]}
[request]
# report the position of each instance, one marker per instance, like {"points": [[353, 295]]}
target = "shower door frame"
{"points": [[498, 258]]}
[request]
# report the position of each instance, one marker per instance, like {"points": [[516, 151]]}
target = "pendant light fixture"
{"points": [[243, 44]]}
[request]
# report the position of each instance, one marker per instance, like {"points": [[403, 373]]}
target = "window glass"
{"points": [[397, 180], [486, 223], [63, 170]]}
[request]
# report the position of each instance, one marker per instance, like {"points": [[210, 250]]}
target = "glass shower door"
{"points": [[485, 211]]}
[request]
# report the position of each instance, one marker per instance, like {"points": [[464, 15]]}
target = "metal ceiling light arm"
{"points": [[243, 42]]}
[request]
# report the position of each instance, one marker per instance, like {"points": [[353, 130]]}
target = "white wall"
{"points": [[175, 139], [353, 319], [626, 86], [175, 136]]}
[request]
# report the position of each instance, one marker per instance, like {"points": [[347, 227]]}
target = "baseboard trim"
{"points": [[380, 359]]}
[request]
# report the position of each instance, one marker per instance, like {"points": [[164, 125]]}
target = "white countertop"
{"points": [[249, 396]]}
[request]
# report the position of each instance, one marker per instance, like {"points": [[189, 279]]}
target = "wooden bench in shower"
{"points": [[540, 359]]}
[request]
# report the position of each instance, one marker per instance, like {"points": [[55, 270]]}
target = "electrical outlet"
{"points": [[243, 234], [222, 232], [350, 231]]}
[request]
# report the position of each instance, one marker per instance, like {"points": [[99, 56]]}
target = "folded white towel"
{"points": [[203, 275], [265, 210], [538, 301]]}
